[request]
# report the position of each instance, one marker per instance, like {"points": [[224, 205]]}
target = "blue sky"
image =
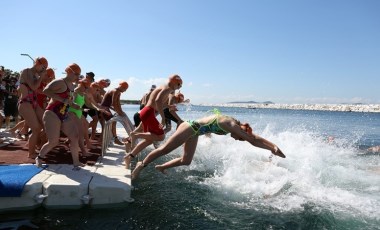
{"points": [[285, 51]]}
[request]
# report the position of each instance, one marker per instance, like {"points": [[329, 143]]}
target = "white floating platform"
{"points": [[107, 183]]}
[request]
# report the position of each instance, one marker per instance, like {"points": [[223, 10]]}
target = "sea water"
{"points": [[328, 179]]}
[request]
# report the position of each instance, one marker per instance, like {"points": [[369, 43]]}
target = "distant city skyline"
{"points": [[291, 51]]}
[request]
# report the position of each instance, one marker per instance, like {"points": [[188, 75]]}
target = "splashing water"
{"points": [[321, 184], [332, 175]]}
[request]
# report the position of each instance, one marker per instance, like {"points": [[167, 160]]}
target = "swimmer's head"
{"points": [[41, 63], [246, 128], [104, 83], [91, 76], [175, 81], [73, 69], [50, 73], [85, 82], [124, 85], [179, 97]]}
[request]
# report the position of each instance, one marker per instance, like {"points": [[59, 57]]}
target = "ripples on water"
{"points": [[232, 185]]}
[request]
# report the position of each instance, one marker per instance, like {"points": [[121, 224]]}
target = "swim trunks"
{"points": [[149, 120]]}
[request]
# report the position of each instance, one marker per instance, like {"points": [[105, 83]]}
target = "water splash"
{"points": [[316, 171]]}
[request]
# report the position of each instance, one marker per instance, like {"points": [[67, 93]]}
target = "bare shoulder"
{"points": [[116, 92], [56, 84], [166, 90], [25, 74]]}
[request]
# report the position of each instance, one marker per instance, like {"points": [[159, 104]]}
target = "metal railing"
{"points": [[107, 132]]}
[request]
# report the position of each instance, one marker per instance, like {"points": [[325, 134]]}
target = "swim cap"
{"points": [[91, 74], [175, 79], [42, 61], [124, 84], [73, 68], [247, 128], [179, 97], [50, 73], [103, 83]]}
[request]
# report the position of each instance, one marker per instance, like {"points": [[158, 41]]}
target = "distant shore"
{"points": [[365, 108]]}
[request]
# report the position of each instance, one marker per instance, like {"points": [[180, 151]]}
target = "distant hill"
{"points": [[251, 102], [130, 102]]}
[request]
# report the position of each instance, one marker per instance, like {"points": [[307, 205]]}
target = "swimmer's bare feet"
{"points": [[137, 170], [32, 156], [39, 161], [79, 164], [133, 139], [156, 144], [161, 169], [127, 160], [128, 146], [117, 141]]}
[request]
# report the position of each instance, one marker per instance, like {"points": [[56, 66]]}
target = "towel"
{"points": [[14, 177]]}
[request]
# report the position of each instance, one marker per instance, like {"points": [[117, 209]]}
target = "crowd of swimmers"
{"points": [[50, 106]]}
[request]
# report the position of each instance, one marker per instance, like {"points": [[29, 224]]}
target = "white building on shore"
{"points": [[371, 108]]}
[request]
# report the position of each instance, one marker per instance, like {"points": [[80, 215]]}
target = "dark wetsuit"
{"points": [[91, 112], [169, 117]]}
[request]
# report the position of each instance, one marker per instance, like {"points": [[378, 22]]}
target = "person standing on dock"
{"points": [[111, 100], [56, 117], [28, 108]]}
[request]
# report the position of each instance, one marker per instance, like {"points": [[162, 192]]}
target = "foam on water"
{"points": [[333, 176]]}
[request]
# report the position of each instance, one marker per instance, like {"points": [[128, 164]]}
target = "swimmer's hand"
{"points": [[277, 151]]}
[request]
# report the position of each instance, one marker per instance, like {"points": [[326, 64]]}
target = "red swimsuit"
{"points": [[59, 108], [41, 97], [149, 120], [30, 98]]}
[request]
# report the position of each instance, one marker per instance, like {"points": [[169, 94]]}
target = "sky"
{"points": [[284, 51]]}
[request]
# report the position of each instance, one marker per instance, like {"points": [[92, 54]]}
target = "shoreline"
{"points": [[363, 108]]}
